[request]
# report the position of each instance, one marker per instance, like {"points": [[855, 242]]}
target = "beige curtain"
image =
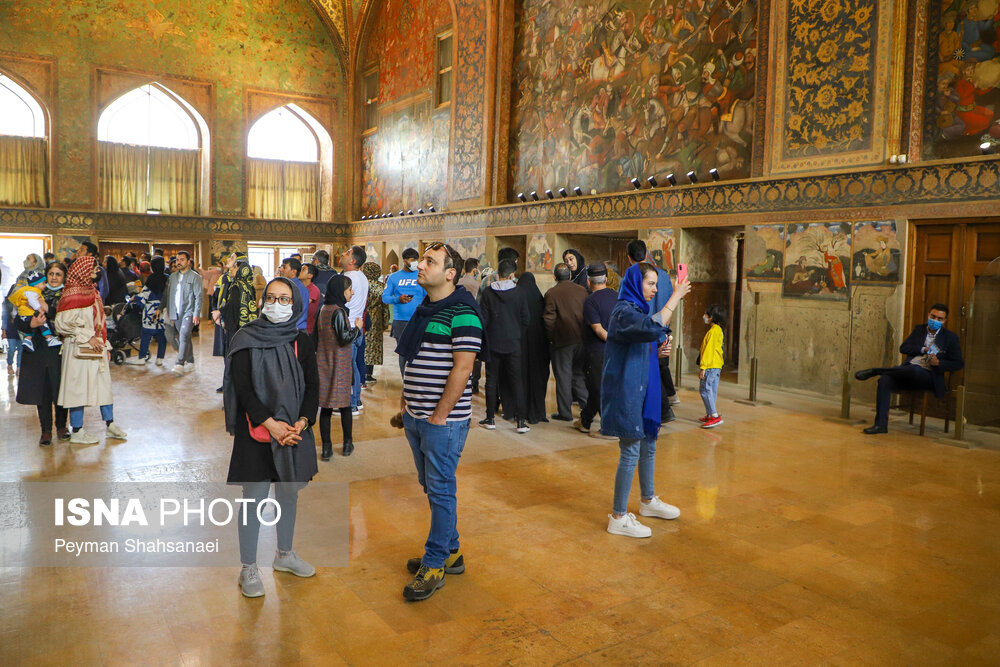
{"points": [[173, 180], [137, 178], [24, 169], [283, 190], [123, 173]]}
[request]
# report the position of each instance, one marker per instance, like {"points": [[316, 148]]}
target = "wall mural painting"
{"points": [[660, 245], [816, 257], [220, 249], [605, 91], [877, 252], [829, 103], [404, 163], [764, 252], [402, 43], [962, 109], [471, 247], [539, 254], [372, 253]]}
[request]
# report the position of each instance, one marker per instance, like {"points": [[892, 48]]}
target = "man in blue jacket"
{"points": [[931, 351], [404, 295]]}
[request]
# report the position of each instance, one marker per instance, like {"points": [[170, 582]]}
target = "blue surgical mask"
{"points": [[934, 325]]}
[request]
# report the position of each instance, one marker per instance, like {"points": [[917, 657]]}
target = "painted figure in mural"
{"points": [[634, 89], [967, 52], [834, 270]]}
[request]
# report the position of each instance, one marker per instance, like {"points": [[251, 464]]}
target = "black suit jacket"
{"points": [[950, 354]]}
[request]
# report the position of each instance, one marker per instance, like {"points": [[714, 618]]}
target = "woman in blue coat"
{"points": [[630, 394]]}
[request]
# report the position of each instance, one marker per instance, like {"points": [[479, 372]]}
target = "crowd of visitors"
{"points": [[302, 346]]}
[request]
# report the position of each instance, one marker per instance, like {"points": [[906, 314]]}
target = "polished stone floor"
{"points": [[801, 541]]}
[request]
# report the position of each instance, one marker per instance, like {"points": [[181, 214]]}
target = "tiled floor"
{"points": [[800, 542]]}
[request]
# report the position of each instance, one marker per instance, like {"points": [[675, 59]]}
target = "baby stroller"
{"points": [[124, 329]]}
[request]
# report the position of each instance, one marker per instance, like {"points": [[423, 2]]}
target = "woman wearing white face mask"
{"points": [[271, 397]]}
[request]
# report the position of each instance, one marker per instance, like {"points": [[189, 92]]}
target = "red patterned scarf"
{"points": [[80, 292]]}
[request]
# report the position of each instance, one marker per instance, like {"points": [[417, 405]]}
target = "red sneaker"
{"points": [[712, 422], [704, 419]]}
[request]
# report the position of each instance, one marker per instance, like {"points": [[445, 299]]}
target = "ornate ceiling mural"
{"points": [[334, 11]]}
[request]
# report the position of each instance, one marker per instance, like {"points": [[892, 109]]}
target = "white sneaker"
{"points": [[115, 431], [189, 368], [159, 362], [178, 369], [659, 509], [81, 437], [137, 361], [355, 412], [628, 526]]}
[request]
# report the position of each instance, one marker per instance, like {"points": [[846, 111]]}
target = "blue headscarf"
{"points": [[631, 291]]}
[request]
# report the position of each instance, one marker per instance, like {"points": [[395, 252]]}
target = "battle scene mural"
{"points": [[605, 91], [404, 162], [962, 108]]}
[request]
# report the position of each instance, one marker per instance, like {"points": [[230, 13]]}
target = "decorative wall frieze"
{"points": [[49, 221], [956, 189]]}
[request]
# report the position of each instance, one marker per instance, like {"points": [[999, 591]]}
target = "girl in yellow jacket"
{"points": [[711, 365]]}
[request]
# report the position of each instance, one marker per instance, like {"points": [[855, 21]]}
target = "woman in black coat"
{"points": [[117, 290], [534, 351], [41, 368], [271, 397]]}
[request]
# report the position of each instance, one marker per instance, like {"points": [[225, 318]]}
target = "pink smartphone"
{"points": [[682, 273]]}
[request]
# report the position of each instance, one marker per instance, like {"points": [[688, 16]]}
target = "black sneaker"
{"points": [[558, 417], [522, 426], [489, 423], [425, 583], [454, 564]]}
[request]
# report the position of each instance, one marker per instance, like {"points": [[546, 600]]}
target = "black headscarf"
{"points": [[157, 280], [413, 334], [580, 275], [335, 291], [526, 283], [278, 382]]}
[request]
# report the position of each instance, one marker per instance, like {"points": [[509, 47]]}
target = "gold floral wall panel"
{"points": [[831, 87]]}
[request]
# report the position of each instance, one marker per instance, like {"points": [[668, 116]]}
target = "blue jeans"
{"points": [[641, 452], [436, 450], [76, 415], [359, 370], [161, 343], [709, 389], [14, 350]]}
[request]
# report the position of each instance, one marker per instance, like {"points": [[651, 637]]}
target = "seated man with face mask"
{"points": [[931, 351], [404, 295]]}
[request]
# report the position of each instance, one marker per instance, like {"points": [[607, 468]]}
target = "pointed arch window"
{"points": [[153, 155], [24, 147], [285, 158]]}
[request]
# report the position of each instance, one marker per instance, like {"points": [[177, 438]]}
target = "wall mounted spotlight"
{"points": [[987, 148], [534, 195], [420, 211], [409, 212], [671, 178], [635, 183], [578, 191], [433, 210], [652, 182], [714, 173], [548, 193], [520, 195], [693, 177]]}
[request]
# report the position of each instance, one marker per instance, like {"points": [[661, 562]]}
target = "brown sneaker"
{"points": [[424, 584]]}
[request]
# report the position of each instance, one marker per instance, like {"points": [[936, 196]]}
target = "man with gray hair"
{"points": [[563, 317]]}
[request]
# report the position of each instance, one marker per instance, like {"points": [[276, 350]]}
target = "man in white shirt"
{"points": [[350, 263], [181, 308]]}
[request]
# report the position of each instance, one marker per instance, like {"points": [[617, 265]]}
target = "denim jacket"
{"points": [[626, 369]]}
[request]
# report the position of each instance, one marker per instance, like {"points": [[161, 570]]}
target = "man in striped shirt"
{"points": [[439, 344]]}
